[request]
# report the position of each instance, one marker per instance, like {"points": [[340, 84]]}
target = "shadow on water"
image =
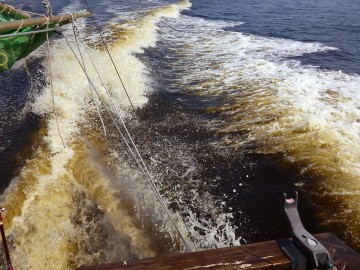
{"points": [[18, 125], [14, 156]]}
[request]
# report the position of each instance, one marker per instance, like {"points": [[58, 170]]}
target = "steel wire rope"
{"points": [[141, 164], [91, 89], [122, 121], [108, 52], [101, 80], [51, 84], [102, 102], [127, 131]]}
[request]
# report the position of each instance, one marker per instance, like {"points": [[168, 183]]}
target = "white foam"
{"points": [[270, 101], [52, 181], [310, 98]]}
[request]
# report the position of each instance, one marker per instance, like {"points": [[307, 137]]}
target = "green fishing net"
{"points": [[16, 47]]}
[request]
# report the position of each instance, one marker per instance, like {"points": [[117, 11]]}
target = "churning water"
{"points": [[233, 104]]}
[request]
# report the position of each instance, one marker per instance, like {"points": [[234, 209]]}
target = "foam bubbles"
{"points": [[64, 209], [271, 103], [270, 95]]}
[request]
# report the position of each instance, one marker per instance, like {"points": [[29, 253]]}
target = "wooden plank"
{"points": [[267, 253], [265, 256], [13, 25]]}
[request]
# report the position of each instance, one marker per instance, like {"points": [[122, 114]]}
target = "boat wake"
{"points": [[80, 198], [263, 101], [77, 200]]}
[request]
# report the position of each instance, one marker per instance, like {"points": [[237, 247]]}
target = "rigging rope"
{"points": [[51, 84], [108, 51], [5, 5], [131, 146], [26, 33], [91, 89]]}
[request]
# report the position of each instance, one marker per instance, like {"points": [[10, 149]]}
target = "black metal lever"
{"points": [[306, 252]]}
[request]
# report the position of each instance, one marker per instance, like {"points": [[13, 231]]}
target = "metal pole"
{"points": [[6, 248]]}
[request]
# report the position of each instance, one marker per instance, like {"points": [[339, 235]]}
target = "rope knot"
{"points": [[47, 7]]}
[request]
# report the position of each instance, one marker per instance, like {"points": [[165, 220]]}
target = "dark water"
{"points": [[257, 207], [335, 24], [236, 102]]}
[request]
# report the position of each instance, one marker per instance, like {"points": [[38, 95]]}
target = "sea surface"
{"points": [[214, 110]]}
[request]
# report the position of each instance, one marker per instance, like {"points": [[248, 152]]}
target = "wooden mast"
{"points": [[13, 25]]}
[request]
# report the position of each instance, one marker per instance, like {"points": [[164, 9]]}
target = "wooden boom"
{"points": [[13, 25], [11, 10]]}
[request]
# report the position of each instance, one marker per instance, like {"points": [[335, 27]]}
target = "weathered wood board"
{"points": [[265, 256]]}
